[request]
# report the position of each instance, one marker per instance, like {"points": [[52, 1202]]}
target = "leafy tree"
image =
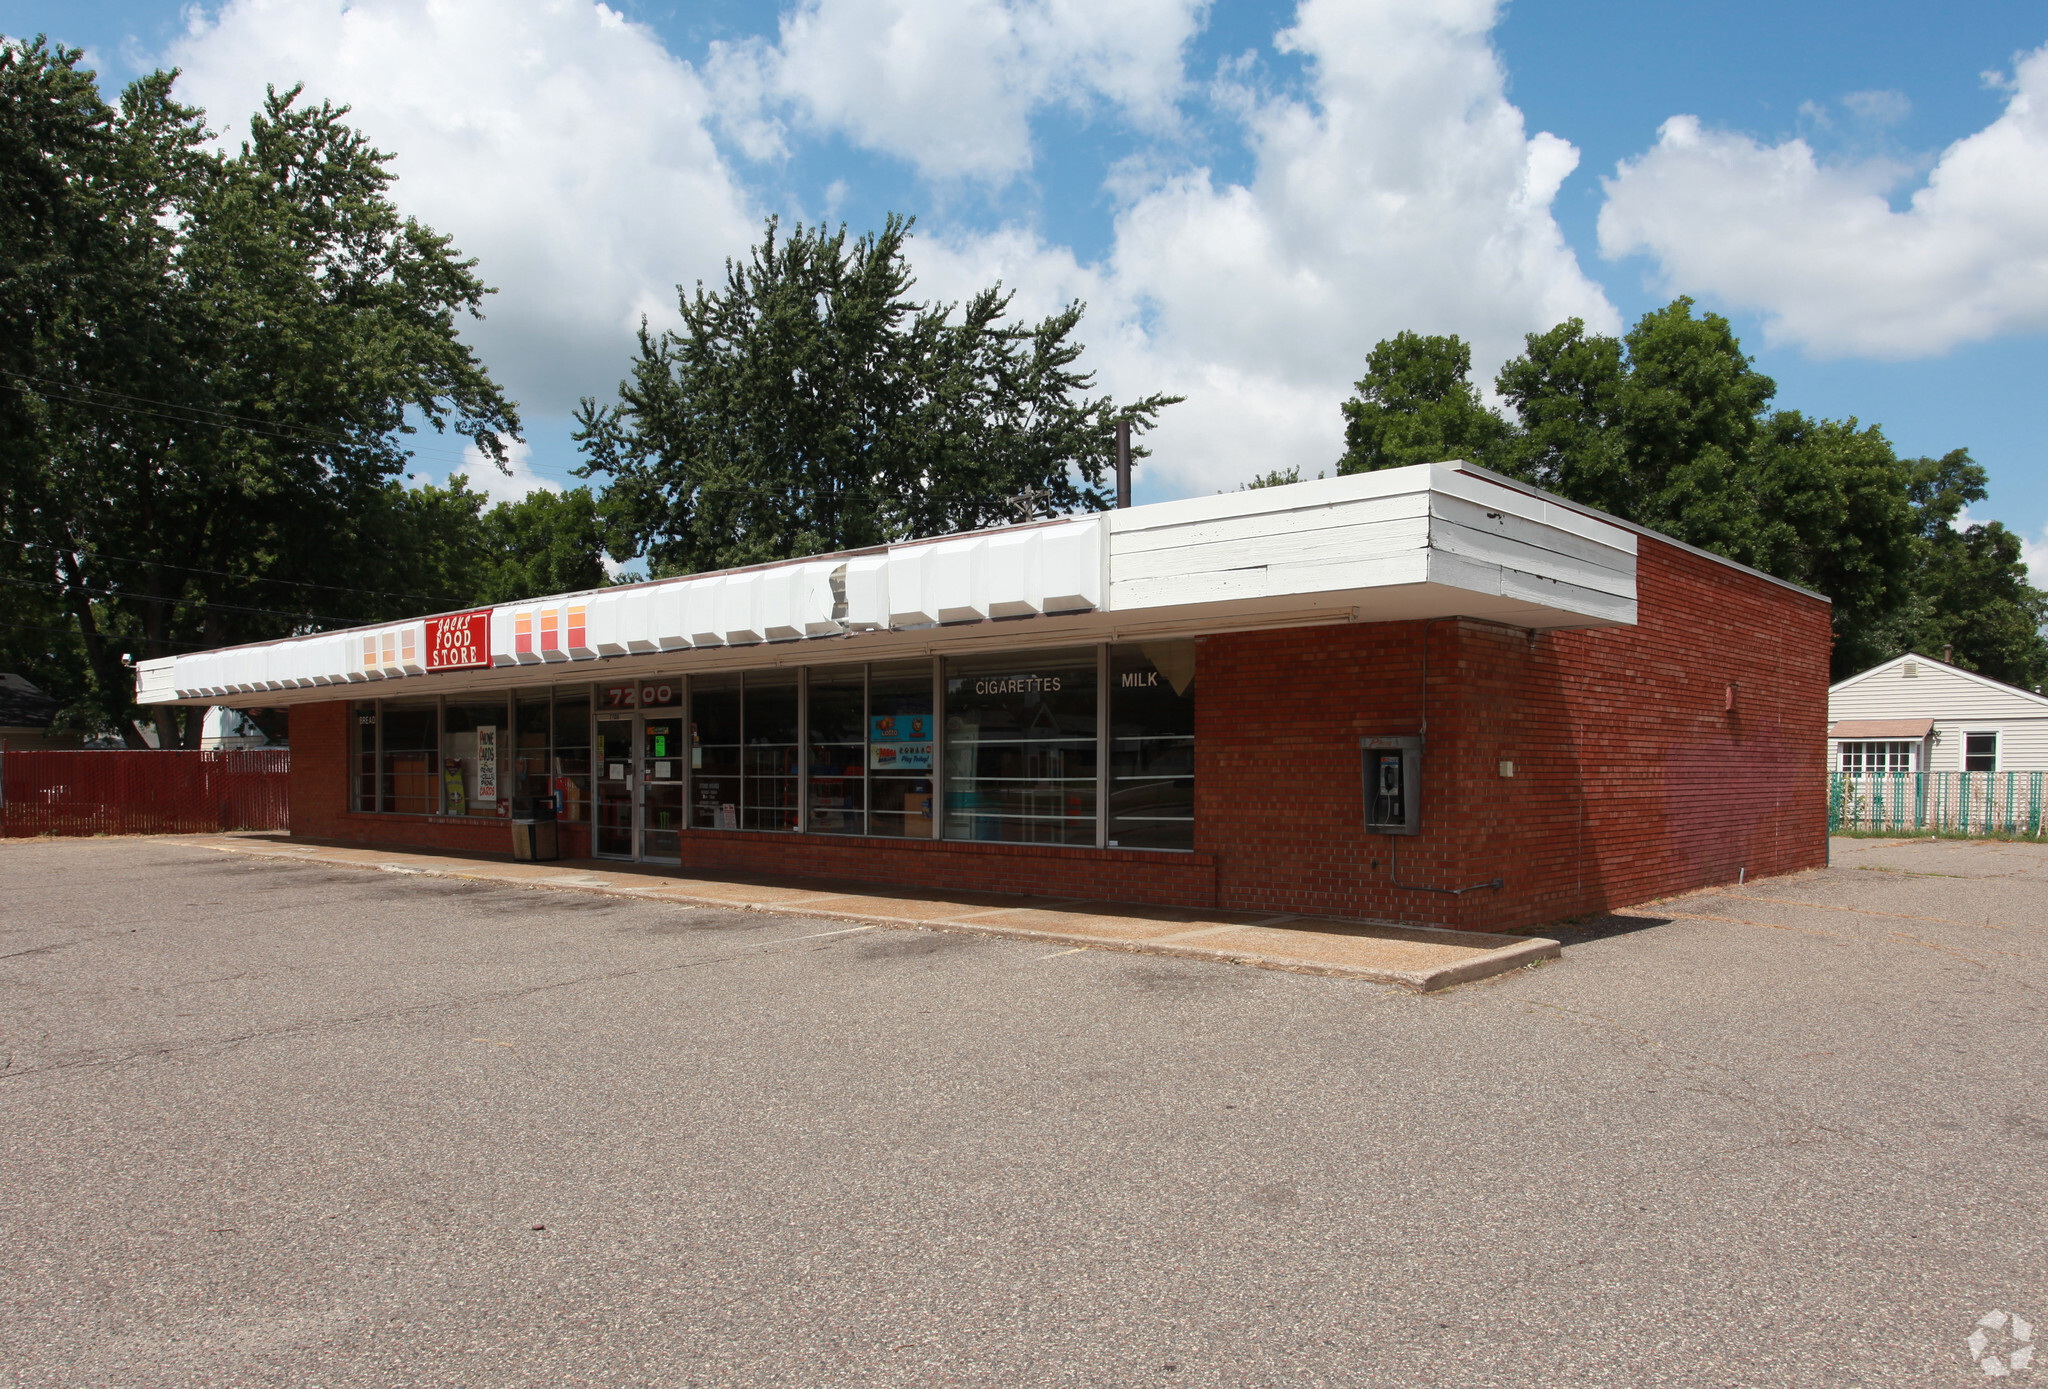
{"points": [[811, 405], [1566, 391], [1279, 477], [1416, 404], [546, 542], [1969, 584], [216, 363]]}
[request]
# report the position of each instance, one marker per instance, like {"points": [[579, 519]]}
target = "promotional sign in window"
{"points": [[900, 742], [459, 640], [487, 763]]}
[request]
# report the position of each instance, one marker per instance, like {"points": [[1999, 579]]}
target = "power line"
{"points": [[72, 632], [180, 602], [241, 578], [82, 394]]}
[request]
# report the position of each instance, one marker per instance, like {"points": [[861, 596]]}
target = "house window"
{"points": [[1980, 752], [1877, 759]]}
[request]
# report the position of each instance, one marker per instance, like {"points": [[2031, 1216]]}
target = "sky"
{"points": [[1247, 195]]}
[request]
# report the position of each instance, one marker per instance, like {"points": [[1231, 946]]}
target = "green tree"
{"points": [[811, 405], [219, 359], [546, 542], [1970, 592], [1416, 404]]}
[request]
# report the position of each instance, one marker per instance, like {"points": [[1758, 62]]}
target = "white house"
{"points": [[1915, 714]]}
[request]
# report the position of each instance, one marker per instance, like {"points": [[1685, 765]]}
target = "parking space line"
{"points": [[817, 935]]}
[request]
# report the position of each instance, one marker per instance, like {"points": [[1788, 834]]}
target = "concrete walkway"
{"points": [[1418, 958]]}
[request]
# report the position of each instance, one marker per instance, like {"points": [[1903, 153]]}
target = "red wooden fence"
{"points": [[139, 792]]}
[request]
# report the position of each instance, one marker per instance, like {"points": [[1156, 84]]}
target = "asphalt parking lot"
{"points": [[273, 1123]]}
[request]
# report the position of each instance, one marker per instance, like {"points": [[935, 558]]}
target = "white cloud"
{"points": [[1405, 192], [951, 85], [2034, 551], [557, 142], [485, 477], [1878, 107], [1819, 250], [564, 147]]}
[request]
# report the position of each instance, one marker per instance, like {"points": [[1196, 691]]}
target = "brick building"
{"points": [[1428, 694]]}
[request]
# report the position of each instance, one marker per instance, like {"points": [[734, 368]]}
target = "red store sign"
{"points": [[459, 640]]}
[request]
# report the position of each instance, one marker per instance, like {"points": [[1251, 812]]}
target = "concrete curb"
{"points": [[1498, 954]]}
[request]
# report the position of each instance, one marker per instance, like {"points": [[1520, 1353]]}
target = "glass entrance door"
{"points": [[615, 781], [662, 754]]}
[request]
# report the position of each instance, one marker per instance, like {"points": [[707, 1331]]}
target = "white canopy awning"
{"points": [[1436, 540]]}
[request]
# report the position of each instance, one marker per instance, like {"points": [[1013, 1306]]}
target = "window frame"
{"points": [[1862, 754], [1996, 735], [589, 694]]}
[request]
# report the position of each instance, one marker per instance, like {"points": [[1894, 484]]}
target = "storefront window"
{"points": [[363, 782], [769, 795], [715, 752], [532, 728], [1152, 745], [900, 728], [1021, 747], [838, 750], [407, 780], [472, 764], [570, 779]]}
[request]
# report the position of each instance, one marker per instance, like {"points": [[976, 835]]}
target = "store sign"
{"points": [[1018, 684], [459, 640], [649, 694]]}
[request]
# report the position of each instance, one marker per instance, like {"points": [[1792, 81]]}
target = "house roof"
{"points": [[1946, 669], [23, 705]]}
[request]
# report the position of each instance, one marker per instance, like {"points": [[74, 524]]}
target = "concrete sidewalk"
{"points": [[1417, 958]]}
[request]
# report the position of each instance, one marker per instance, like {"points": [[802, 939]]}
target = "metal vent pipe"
{"points": [[1123, 464]]}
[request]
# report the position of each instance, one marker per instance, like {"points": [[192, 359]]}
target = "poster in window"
{"points": [[900, 742], [487, 764]]}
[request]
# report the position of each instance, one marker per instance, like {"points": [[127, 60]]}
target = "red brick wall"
{"points": [[1632, 778]]}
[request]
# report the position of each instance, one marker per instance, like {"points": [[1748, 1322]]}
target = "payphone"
{"points": [[1393, 785]]}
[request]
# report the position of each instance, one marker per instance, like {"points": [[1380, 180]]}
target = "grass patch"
{"points": [[2020, 836]]}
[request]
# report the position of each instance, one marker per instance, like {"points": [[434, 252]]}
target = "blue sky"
{"points": [[1248, 194]]}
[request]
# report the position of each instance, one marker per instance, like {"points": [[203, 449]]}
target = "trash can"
{"points": [[534, 836]]}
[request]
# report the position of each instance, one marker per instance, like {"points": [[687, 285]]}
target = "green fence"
{"points": [[1938, 803]]}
